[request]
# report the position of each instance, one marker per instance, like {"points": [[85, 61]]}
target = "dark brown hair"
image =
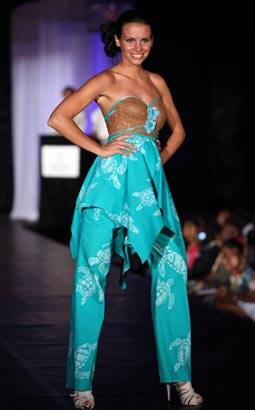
{"points": [[111, 28]]}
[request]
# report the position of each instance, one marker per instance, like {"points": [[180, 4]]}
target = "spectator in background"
{"points": [[208, 253], [218, 234], [231, 230], [190, 234], [230, 268], [223, 216], [250, 243], [99, 128], [234, 278], [232, 281]]}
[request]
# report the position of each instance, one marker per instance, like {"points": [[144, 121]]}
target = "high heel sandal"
{"points": [[83, 399], [187, 394]]}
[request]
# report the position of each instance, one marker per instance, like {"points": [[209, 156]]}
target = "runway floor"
{"points": [[36, 280]]}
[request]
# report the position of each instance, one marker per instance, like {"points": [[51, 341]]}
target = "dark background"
{"points": [[205, 54]]}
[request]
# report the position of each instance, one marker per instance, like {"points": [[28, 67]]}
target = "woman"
{"points": [[125, 206], [190, 234]]}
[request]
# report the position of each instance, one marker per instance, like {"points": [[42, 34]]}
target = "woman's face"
{"points": [[189, 231], [232, 259], [135, 42]]}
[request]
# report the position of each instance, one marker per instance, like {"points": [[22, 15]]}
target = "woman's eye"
{"points": [[129, 40]]}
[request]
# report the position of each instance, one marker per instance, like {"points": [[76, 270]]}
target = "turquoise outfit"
{"points": [[125, 206]]}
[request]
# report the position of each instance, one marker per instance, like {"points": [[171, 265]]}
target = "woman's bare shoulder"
{"points": [[96, 85], [105, 77], [157, 80], [161, 85]]}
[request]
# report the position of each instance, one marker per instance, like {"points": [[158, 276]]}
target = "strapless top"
{"points": [[131, 114]]}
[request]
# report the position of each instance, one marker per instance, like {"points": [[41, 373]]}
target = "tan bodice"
{"points": [[131, 114]]}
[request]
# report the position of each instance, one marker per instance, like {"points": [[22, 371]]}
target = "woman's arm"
{"points": [[61, 119], [178, 134]]}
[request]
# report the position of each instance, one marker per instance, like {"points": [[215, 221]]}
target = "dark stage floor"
{"points": [[36, 275]]}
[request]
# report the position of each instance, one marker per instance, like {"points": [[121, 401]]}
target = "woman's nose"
{"points": [[138, 46]]}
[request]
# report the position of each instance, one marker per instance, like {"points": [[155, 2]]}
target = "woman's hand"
{"points": [[117, 146], [164, 155], [159, 145]]}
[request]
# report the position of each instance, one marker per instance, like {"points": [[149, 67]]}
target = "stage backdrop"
{"points": [[52, 47]]}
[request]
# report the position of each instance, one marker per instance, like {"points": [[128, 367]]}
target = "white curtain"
{"points": [[51, 48]]}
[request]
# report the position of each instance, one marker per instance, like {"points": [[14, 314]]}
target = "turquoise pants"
{"points": [[169, 307]]}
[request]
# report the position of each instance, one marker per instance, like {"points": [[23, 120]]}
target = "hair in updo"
{"points": [[111, 28]]}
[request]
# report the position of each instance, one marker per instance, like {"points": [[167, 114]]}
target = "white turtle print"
{"points": [[174, 210], [139, 143], [88, 284], [184, 349], [81, 357], [124, 219], [102, 258], [97, 212], [158, 164], [147, 198], [176, 262], [164, 293], [112, 167], [84, 190]]}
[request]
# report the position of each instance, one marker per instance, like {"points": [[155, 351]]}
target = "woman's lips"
{"points": [[136, 55]]}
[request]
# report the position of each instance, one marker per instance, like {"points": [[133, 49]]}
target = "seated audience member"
{"points": [[208, 253], [223, 216], [250, 246], [230, 268], [233, 278], [190, 234], [232, 230], [203, 264]]}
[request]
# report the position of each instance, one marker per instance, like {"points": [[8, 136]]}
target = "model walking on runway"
{"points": [[125, 206]]}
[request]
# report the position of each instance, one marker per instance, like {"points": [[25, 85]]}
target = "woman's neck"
{"points": [[129, 70]]}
